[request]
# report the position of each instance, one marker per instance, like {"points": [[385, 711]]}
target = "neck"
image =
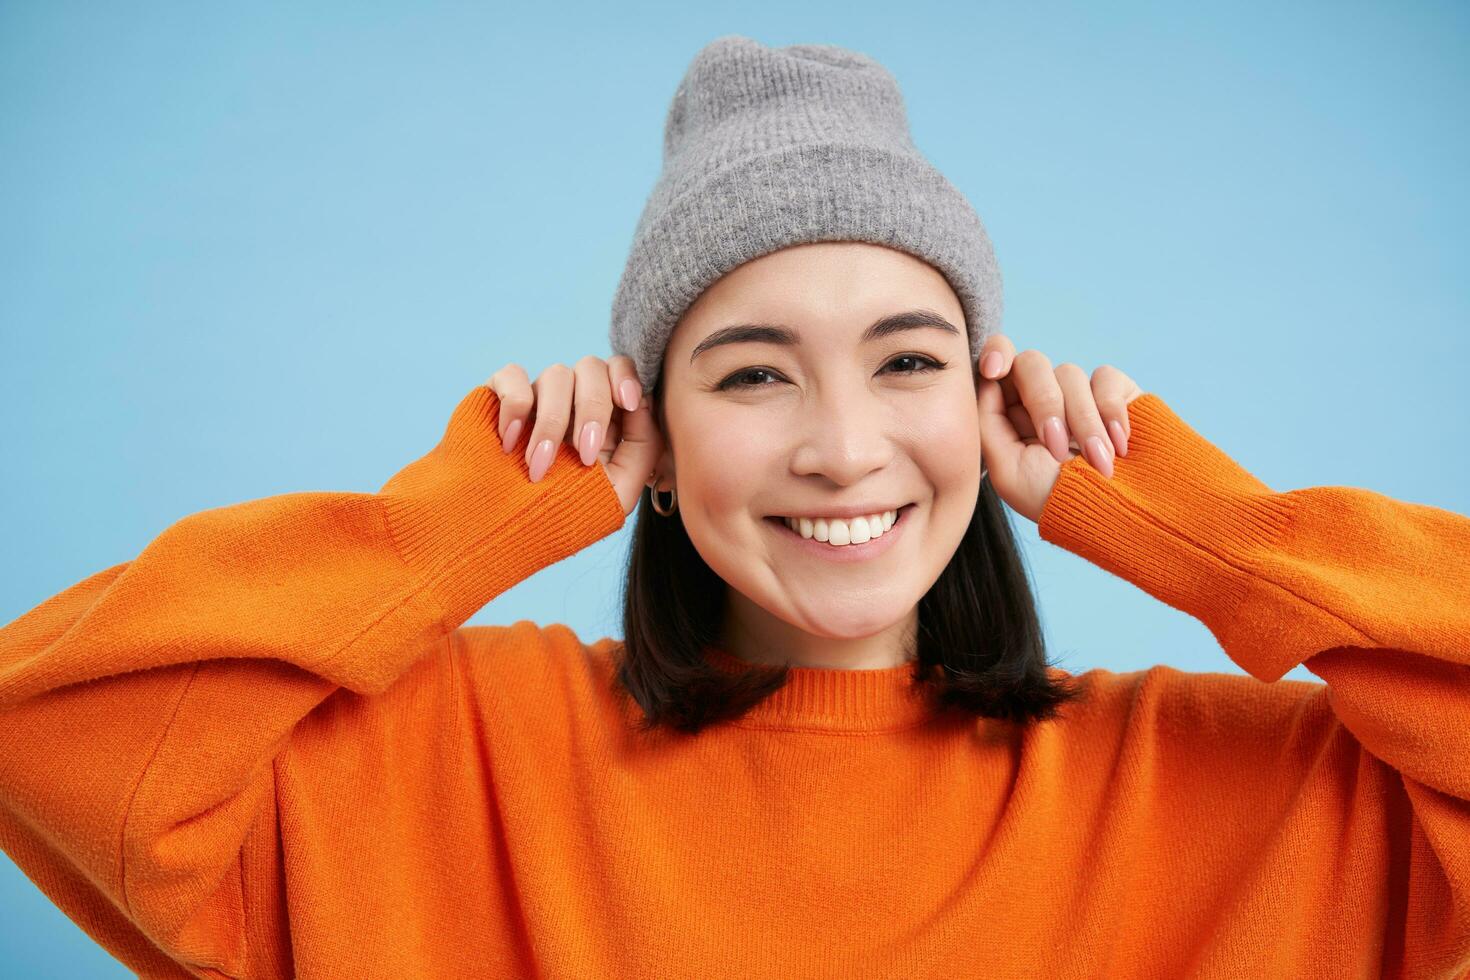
{"points": [[755, 636]]}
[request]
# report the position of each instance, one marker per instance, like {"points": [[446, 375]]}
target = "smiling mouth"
{"points": [[821, 531]]}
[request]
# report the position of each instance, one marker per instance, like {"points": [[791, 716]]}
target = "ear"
{"points": [[664, 472]]}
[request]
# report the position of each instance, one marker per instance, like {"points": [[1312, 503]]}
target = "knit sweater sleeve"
{"points": [[141, 709], [1372, 595]]}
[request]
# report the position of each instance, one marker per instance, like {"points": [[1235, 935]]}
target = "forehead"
{"points": [[822, 291]]}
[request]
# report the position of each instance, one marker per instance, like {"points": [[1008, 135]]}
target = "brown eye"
{"points": [[925, 364], [737, 380]]}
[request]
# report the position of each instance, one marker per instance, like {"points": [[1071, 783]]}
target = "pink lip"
{"points": [[848, 552]]}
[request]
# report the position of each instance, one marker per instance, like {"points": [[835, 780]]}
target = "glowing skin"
{"points": [[831, 421]]}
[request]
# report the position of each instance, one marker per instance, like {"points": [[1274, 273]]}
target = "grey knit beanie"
{"points": [[770, 147]]}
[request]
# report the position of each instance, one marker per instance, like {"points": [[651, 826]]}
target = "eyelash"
{"points": [[928, 364]]}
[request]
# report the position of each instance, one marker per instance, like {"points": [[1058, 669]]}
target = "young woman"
{"points": [[829, 743]]}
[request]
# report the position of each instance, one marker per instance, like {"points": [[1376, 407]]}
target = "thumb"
{"points": [[999, 441], [637, 454]]}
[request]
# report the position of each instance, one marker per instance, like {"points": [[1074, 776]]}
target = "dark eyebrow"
{"points": [[774, 333]]}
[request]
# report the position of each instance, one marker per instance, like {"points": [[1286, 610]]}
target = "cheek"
{"points": [[947, 447], [723, 467]]}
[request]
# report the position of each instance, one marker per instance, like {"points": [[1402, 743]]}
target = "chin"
{"points": [[839, 627]]}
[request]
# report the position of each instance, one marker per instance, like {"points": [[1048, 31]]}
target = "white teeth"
{"points": [[836, 531]]}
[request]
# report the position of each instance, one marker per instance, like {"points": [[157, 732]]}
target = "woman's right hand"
{"points": [[625, 441]]}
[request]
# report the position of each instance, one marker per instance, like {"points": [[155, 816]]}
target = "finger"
{"points": [[627, 389], [592, 406], [637, 454], [1110, 389], [514, 389], [614, 433], [1037, 387], [996, 356], [1022, 422], [1016, 411], [1083, 418], [999, 441], [553, 409]]}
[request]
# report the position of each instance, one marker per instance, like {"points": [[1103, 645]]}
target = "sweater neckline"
{"points": [[824, 699]]}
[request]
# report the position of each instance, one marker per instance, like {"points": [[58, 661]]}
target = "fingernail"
{"points": [[1119, 436], [541, 459], [1098, 456], [1055, 437], [587, 443], [991, 366], [512, 433], [628, 390]]}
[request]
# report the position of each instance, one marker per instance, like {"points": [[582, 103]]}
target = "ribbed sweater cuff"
{"points": [[468, 520], [1178, 518]]}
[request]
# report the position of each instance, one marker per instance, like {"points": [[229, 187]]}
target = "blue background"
{"points": [[255, 251]]}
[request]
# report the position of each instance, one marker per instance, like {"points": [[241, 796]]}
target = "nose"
{"points": [[843, 437]]}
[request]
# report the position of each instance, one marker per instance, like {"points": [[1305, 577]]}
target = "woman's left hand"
{"points": [[1024, 396]]}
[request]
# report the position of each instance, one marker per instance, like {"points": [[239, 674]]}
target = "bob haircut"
{"points": [[980, 648]]}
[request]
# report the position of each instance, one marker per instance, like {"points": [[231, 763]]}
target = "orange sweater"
{"points": [[268, 747]]}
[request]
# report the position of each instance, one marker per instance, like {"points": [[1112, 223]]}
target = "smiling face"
{"points": [[852, 412]]}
